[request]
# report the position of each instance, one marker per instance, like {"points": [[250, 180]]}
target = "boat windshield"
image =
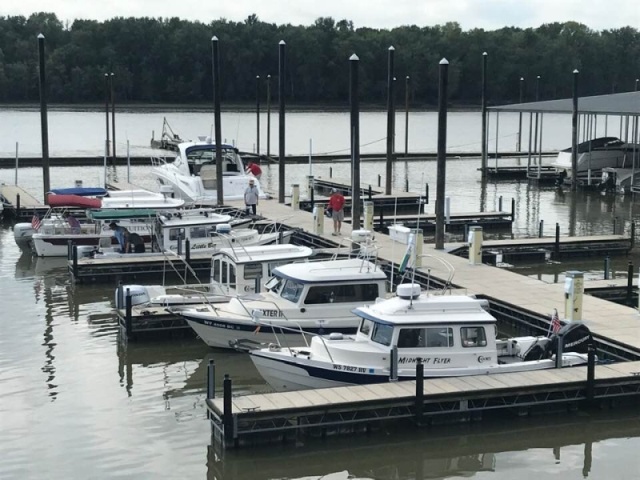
{"points": [[199, 156], [382, 334], [274, 284], [291, 291]]}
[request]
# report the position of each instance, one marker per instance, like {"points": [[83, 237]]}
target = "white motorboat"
{"points": [[593, 156], [63, 199], [192, 174], [314, 296], [453, 335], [234, 271]]}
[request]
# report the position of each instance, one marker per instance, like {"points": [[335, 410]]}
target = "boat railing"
{"points": [[366, 251], [450, 269], [158, 161]]}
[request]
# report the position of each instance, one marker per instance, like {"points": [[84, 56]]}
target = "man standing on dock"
{"points": [[336, 204], [251, 197]]}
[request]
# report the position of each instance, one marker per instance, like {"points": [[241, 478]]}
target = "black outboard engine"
{"points": [[576, 338]]}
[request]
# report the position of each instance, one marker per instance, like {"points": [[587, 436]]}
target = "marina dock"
{"points": [[511, 296], [20, 204]]}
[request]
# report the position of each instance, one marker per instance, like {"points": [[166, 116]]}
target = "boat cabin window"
{"points": [[215, 270], [291, 291], [382, 334], [473, 337], [365, 326], [252, 270], [341, 293], [432, 337], [198, 232], [176, 234]]}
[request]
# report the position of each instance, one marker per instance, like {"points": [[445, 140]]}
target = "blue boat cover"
{"points": [[81, 191]]}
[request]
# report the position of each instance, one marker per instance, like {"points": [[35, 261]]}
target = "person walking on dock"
{"points": [[251, 197], [336, 204]]}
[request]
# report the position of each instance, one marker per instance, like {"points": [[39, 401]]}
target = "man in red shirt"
{"points": [[336, 204], [254, 169]]}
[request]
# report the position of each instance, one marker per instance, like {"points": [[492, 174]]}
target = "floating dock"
{"points": [[525, 302], [20, 204]]}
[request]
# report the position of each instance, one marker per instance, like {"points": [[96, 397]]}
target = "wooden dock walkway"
{"points": [[251, 419], [19, 203]]}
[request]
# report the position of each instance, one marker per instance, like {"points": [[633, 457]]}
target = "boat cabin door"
{"points": [[223, 275]]}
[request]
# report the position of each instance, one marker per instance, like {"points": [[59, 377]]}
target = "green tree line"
{"points": [[168, 60]]}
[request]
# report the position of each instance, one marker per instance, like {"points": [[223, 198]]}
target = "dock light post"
{"points": [[406, 116], [355, 142], [215, 65], [258, 116], [113, 118], [390, 121], [442, 151], [281, 125], [574, 133], [483, 141], [268, 116], [520, 115], [44, 127]]}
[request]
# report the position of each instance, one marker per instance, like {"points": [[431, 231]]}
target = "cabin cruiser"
{"points": [[453, 335], [80, 198], [593, 156], [236, 270], [192, 174], [314, 296]]}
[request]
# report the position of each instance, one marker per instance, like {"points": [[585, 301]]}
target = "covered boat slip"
{"points": [[623, 108]]}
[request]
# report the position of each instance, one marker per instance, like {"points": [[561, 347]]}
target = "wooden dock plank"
{"points": [[298, 400], [11, 192]]}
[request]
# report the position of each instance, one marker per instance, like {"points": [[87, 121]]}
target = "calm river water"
{"points": [[75, 402]]}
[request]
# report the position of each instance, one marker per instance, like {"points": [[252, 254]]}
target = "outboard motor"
{"points": [[139, 295], [576, 338]]}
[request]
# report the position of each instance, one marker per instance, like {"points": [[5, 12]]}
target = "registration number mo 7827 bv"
{"points": [[349, 368]]}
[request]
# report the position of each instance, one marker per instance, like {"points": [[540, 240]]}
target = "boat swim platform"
{"points": [[20, 204], [249, 420]]}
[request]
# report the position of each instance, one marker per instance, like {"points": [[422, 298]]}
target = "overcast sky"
{"points": [[487, 14]]}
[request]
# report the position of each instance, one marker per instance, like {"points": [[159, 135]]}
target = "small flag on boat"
{"points": [[35, 221], [555, 322], [406, 258]]}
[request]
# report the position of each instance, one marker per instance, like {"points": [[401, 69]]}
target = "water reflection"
{"points": [[441, 451]]}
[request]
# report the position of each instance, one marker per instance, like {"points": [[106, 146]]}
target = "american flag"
{"points": [[35, 221], [555, 322]]}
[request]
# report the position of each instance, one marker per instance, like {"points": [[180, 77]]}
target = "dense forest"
{"points": [[168, 60]]}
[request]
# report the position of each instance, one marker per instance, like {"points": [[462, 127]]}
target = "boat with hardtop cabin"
{"points": [[451, 335]]}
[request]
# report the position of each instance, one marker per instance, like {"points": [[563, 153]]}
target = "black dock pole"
{"points": [[556, 246], [574, 134], [127, 313], [390, 122], [591, 373], [227, 410], [419, 390], [18, 206], [268, 116], [75, 262], [483, 141], [113, 120], [442, 152], [215, 65], [355, 142], [281, 117], [258, 117], [44, 127]]}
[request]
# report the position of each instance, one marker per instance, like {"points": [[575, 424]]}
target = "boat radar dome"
{"points": [[408, 291]]}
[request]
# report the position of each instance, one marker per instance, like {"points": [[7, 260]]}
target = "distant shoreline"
{"points": [[236, 107]]}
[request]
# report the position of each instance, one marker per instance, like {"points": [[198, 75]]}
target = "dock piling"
{"points": [[75, 261], [607, 267], [211, 379], [632, 234], [500, 203], [227, 415], [127, 314], [591, 373], [393, 364], [379, 180], [559, 340], [615, 225], [556, 247], [630, 283], [17, 206], [540, 229], [419, 390], [513, 209], [295, 196]]}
